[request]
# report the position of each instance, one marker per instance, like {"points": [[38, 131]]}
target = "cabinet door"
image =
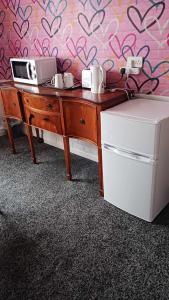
{"points": [[11, 103], [80, 120], [42, 112]]}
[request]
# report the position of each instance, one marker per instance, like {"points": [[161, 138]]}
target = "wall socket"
{"points": [[134, 62], [133, 66], [134, 71]]}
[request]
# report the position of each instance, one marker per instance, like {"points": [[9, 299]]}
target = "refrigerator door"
{"points": [[130, 134], [129, 181]]}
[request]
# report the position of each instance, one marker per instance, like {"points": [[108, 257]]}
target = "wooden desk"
{"points": [[71, 113]]}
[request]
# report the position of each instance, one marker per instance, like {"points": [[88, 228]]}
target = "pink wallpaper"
{"points": [[83, 32]]}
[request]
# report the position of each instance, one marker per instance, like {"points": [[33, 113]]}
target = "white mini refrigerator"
{"points": [[135, 148]]}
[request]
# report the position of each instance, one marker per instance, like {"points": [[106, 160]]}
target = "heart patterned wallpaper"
{"points": [[84, 32]]}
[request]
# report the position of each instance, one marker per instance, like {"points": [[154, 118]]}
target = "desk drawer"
{"points": [[50, 122], [43, 103], [11, 103], [80, 120]]}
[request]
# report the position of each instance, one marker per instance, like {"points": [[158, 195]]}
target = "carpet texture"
{"points": [[60, 240]]}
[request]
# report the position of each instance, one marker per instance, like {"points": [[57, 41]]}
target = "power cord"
{"points": [[121, 89]]}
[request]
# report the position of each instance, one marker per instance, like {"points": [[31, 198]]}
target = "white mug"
{"points": [[57, 81], [68, 80]]}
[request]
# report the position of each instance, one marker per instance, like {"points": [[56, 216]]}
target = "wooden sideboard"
{"points": [[70, 113]]}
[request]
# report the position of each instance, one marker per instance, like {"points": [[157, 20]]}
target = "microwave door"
{"points": [[20, 69]]}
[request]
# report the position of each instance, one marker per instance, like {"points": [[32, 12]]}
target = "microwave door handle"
{"points": [[28, 70]]}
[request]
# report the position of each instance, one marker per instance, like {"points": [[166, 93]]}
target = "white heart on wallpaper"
{"points": [[73, 46], [63, 35], [163, 39], [102, 32], [31, 37]]}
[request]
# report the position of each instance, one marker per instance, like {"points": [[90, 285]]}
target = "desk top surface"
{"points": [[79, 93]]}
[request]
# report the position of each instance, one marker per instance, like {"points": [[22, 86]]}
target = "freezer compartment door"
{"points": [[131, 134], [129, 182]]}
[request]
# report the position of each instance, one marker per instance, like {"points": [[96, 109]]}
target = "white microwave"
{"points": [[36, 70]]}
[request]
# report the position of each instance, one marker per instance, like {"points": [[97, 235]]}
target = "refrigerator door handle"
{"points": [[129, 154]]}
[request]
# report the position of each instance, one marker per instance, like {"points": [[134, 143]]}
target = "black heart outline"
{"points": [[17, 27], [22, 52], [44, 8], [3, 17], [153, 69], [50, 25], [106, 61], [46, 50], [1, 29], [2, 54], [99, 4], [4, 74], [60, 64], [89, 22], [83, 3], [5, 4], [14, 48], [56, 9], [143, 83], [86, 56], [6, 61], [127, 47], [142, 18], [23, 12], [14, 11]]}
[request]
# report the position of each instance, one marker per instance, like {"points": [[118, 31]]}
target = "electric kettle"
{"points": [[97, 79]]}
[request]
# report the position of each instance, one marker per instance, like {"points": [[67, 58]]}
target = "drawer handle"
{"points": [[14, 104], [46, 119], [82, 121], [50, 106]]}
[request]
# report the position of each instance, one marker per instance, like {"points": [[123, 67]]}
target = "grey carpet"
{"points": [[60, 240]]}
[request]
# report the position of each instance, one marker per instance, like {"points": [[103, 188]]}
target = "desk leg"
{"points": [[31, 145], [40, 138], [100, 171], [67, 157], [10, 135]]}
